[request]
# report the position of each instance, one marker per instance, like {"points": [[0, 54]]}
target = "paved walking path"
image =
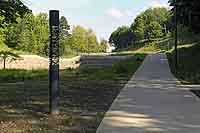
{"points": [[153, 101]]}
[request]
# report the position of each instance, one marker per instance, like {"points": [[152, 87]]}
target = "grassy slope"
{"points": [[188, 56], [85, 97], [155, 46], [188, 63]]}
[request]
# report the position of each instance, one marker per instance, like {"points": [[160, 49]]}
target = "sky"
{"points": [[103, 16]]}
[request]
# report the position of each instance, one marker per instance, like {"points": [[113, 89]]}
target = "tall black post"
{"points": [[54, 62], [176, 39]]}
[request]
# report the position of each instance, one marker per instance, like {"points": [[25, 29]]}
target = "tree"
{"points": [[41, 32], [64, 33], [79, 39], [64, 26], [11, 10], [8, 56], [153, 30], [150, 23], [24, 34], [11, 36], [103, 45], [138, 28], [92, 43], [32, 33], [121, 37], [83, 40]]}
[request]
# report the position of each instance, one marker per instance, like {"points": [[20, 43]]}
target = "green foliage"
{"points": [[153, 30], [11, 36], [64, 26], [83, 40], [69, 52], [11, 10], [20, 30], [150, 23], [30, 34], [92, 43], [121, 37], [103, 45], [79, 39], [138, 28], [64, 34]]}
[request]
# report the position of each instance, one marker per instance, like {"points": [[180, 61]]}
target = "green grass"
{"points": [[188, 63], [124, 69], [188, 56], [85, 96], [153, 46], [20, 75], [122, 53]]}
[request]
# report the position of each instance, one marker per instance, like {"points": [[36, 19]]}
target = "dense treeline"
{"points": [[160, 22], [11, 10], [122, 37], [30, 33], [21, 30], [150, 24]]}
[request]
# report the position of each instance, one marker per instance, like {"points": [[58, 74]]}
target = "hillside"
{"points": [[188, 63]]}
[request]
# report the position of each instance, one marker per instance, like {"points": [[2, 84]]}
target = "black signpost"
{"points": [[54, 62]]}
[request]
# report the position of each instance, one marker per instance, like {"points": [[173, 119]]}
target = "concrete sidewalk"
{"points": [[153, 101]]}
